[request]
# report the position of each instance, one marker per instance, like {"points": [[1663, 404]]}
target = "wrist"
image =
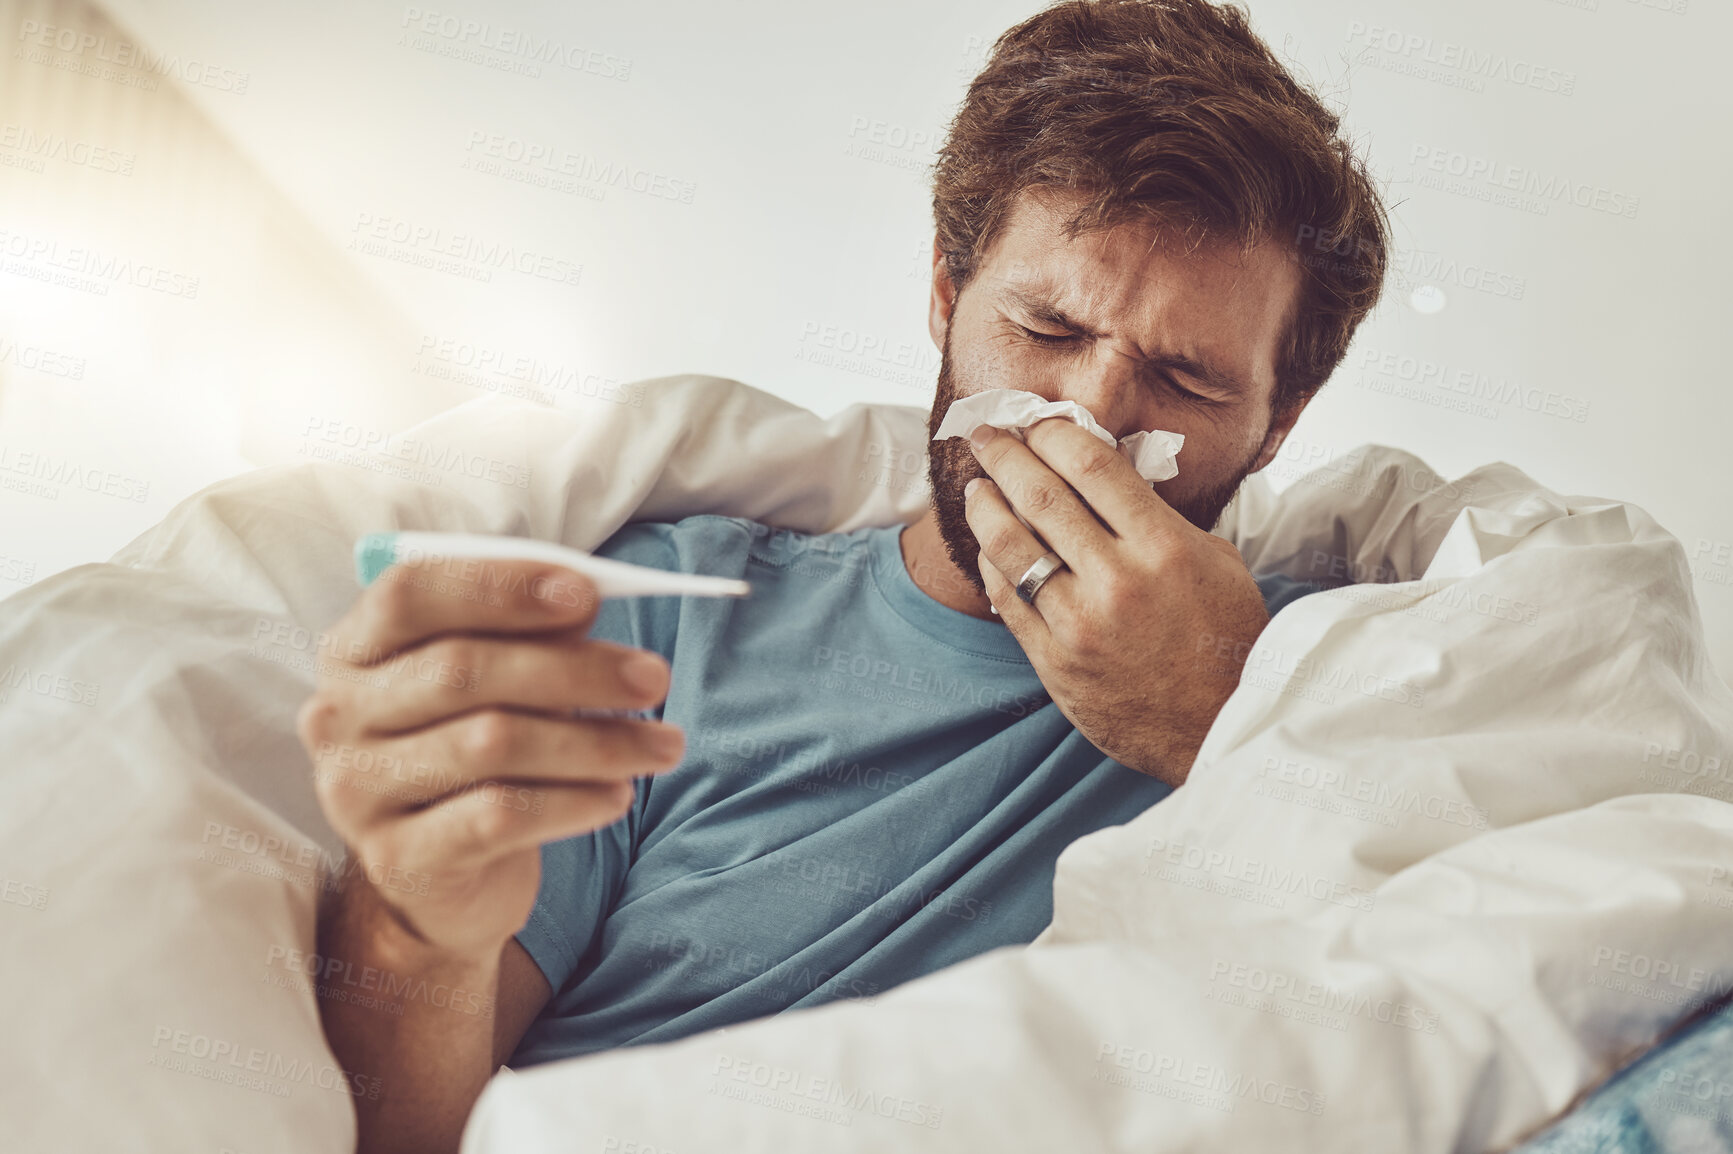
{"points": [[359, 923]]}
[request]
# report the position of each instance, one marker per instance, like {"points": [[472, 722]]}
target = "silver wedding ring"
{"points": [[1036, 576]]}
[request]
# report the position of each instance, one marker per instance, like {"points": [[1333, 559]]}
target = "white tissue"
{"points": [[1151, 453]]}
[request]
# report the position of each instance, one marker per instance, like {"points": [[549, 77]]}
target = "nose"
{"points": [[1105, 382]]}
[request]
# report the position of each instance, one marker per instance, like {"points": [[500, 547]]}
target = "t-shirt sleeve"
{"points": [[582, 876], [1280, 590]]}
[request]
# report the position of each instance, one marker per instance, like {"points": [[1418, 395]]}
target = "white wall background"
{"points": [[782, 226]]}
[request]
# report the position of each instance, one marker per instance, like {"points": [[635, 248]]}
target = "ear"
{"points": [[944, 298], [1280, 426]]}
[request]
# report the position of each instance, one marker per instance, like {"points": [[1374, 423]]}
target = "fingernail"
{"points": [[981, 435], [643, 672], [558, 590], [971, 486]]}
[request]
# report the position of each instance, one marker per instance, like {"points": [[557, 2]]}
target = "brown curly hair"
{"points": [[1176, 111]]}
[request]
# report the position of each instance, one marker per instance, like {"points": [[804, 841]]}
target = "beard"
{"points": [[951, 465]]}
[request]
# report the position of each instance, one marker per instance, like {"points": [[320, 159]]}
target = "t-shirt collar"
{"points": [[946, 625]]}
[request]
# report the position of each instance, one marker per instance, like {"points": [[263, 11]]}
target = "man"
{"points": [[886, 746]]}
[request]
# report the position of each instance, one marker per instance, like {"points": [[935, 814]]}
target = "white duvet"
{"points": [[1436, 869]]}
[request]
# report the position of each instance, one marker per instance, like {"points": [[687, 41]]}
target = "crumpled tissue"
{"points": [[1151, 453]]}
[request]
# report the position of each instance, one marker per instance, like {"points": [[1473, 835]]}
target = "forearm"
{"points": [[413, 1028]]}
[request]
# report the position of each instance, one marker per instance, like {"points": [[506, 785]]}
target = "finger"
{"points": [[457, 674], [1100, 475], [413, 602], [360, 786], [1024, 621], [478, 826], [1010, 548], [1046, 501]]}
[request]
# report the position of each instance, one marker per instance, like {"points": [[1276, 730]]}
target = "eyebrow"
{"points": [[1041, 309]]}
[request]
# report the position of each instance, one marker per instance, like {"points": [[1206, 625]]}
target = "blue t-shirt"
{"points": [[875, 786]]}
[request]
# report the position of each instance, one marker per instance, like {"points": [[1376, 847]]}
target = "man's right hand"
{"points": [[444, 751]]}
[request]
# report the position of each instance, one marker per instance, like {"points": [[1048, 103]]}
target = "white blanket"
{"points": [[1431, 876], [1439, 987]]}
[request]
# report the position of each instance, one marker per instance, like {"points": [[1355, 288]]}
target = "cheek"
{"points": [[1001, 363], [1208, 459]]}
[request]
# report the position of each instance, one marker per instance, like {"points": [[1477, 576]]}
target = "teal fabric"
{"points": [[875, 786], [1677, 1099]]}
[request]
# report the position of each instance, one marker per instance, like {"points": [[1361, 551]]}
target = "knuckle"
{"points": [[1117, 592], [316, 721], [1096, 460], [491, 824], [1001, 541], [487, 740], [388, 600], [456, 652], [1089, 643], [1041, 498], [371, 852]]}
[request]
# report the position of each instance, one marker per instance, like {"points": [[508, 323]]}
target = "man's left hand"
{"points": [[1140, 638]]}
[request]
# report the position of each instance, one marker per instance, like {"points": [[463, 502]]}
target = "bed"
{"points": [[1447, 859]]}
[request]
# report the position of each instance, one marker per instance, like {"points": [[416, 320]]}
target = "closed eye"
{"points": [[1057, 340], [1049, 339], [1183, 391]]}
